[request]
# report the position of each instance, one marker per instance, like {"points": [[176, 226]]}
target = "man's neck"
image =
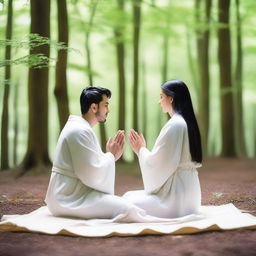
{"points": [[90, 119]]}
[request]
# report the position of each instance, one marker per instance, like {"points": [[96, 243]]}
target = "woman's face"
{"points": [[165, 102]]}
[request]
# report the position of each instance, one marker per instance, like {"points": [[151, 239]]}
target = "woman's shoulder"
{"points": [[176, 125], [177, 121]]}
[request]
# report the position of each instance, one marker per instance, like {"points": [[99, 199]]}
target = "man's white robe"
{"points": [[82, 179], [171, 184]]}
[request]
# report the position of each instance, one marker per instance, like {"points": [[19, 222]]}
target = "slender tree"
{"points": [[254, 132], [37, 156], [92, 11], [60, 90], [203, 10], [120, 53], [165, 64], [93, 7], [87, 26], [191, 61], [119, 33], [144, 100], [16, 123], [238, 82], [227, 104], [136, 40], [165, 56], [5, 111], [166, 37]]}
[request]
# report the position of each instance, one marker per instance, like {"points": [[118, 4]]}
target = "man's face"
{"points": [[103, 110]]}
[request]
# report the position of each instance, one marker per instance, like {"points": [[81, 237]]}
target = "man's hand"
{"points": [[115, 145], [137, 141]]}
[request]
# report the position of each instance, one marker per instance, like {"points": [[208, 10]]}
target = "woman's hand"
{"points": [[136, 140], [116, 145]]}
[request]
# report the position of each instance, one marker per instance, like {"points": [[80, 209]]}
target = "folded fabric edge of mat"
{"points": [[146, 231], [8, 224]]}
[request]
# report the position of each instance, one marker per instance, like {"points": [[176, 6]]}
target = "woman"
{"points": [[171, 184]]}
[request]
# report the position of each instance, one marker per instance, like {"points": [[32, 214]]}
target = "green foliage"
{"points": [[31, 42], [32, 60]]}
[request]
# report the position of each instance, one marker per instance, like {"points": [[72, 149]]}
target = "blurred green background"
{"points": [[168, 32]]}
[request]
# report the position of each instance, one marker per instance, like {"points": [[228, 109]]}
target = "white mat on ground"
{"points": [[224, 217]]}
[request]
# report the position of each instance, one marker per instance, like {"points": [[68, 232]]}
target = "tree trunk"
{"points": [[103, 136], [227, 105], [165, 63], [203, 67], [192, 62], [16, 123], [88, 58], [165, 56], [60, 90], [120, 53], [238, 80], [92, 10], [5, 111], [144, 101], [37, 150], [136, 37], [93, 6], [254, 107]]}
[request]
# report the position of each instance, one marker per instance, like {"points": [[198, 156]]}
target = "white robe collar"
{"points": [[79, 119]]}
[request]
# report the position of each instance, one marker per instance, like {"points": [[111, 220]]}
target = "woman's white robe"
{"points": [[171, 184], [82, 179]]}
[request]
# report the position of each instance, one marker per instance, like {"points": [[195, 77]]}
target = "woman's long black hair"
{"points": [[182, 105]]}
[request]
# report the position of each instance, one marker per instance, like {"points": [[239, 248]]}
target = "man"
{"points": [[82, 179]]}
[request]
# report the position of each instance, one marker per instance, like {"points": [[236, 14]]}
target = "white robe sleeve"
{"points": [[93, 167], [160, 163]]}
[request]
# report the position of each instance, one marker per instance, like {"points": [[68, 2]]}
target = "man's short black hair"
{"points": [[92, 95]]}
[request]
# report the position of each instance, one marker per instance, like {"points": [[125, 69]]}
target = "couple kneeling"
{"points": [[82, 179]]}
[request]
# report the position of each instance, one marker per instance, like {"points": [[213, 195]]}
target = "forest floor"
{"points": [[222, 181]]}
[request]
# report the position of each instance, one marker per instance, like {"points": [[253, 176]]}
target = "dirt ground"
{"points": [[222, 181]]}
